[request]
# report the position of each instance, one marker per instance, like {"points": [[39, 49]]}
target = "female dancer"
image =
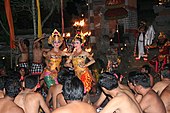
{"points": [[53, 59], [78, 58]]}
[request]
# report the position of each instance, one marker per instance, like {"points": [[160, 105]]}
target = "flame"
{"points": [[79, 23], [87, 33], [88, 49], [68, 35], [82, 22]]}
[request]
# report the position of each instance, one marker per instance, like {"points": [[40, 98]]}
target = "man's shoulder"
{"points": [[16, 109]]}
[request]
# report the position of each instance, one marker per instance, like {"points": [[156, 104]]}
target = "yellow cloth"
{"points": [[39, 20], [83, 73]]}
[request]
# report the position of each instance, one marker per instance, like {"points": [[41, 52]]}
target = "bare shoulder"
{"points": [[16, 109], [62, 110]]}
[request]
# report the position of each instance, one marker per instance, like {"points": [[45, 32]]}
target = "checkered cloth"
{"points": [[36, 68], [23, 64]]}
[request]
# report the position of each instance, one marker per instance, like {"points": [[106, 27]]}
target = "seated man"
{"points": [[150, 102], [165, 95], [57, 88], [73, 91], [147, 69], [124, 88], [12, 88], [30, 100], [165, 80], [121, 102]]}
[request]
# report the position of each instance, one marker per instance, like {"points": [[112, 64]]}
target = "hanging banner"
{"points": [[10, 23], [39, 20]]}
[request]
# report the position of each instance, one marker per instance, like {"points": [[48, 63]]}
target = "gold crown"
{"points": [[55, 36], [81, 36]]}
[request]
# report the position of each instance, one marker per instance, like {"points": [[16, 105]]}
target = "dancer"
{"points": [[24, 49], [37, 66], [78, 58], [53, 59]]}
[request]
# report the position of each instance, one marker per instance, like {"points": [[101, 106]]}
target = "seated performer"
{"points": [[150, 101], [73, 91], [29, 100], [53, 59], [12, 88], [122, 101]]}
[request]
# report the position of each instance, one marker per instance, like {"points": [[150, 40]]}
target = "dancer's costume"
{"points": [[50, 75], [36, 68], [83, 73], [23, 64]]}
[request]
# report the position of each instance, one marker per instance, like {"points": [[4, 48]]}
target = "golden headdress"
{"points": [[55, 36], [81, 36]]}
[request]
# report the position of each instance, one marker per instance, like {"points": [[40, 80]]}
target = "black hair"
{"points": [[12, 86], [117, 74], [73, 89], [108, 81], [26, 42], [64, 74], [142, 79], [2, 82], [131, 76], [166, 71], [167, 66], [31, 81], [147, 67], [78, 38]]}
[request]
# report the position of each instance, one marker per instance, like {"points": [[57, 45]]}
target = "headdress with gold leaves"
{"points": [[81, 36], [55, 36]]}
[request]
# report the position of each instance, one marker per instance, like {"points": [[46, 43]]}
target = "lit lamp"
{"points": [[78, 26]]}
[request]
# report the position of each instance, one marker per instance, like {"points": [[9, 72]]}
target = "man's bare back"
{"points": [[165, 95], [160, 86], [151, 103], [31, 102], [76, 107], [121, 103], [8, 106], [52, 93]]}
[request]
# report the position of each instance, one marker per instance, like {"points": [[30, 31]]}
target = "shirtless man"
{"points": [[121, 102], [37, 66], [29, 100], [73, 91], [147, 69], [165, 98], [165, 80], [12, 88], [24, 49], [103, 96], [2, 83], [57, 89], [150, 102]]}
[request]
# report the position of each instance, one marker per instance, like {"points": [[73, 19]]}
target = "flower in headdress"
{"points": [[55, 36]]}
